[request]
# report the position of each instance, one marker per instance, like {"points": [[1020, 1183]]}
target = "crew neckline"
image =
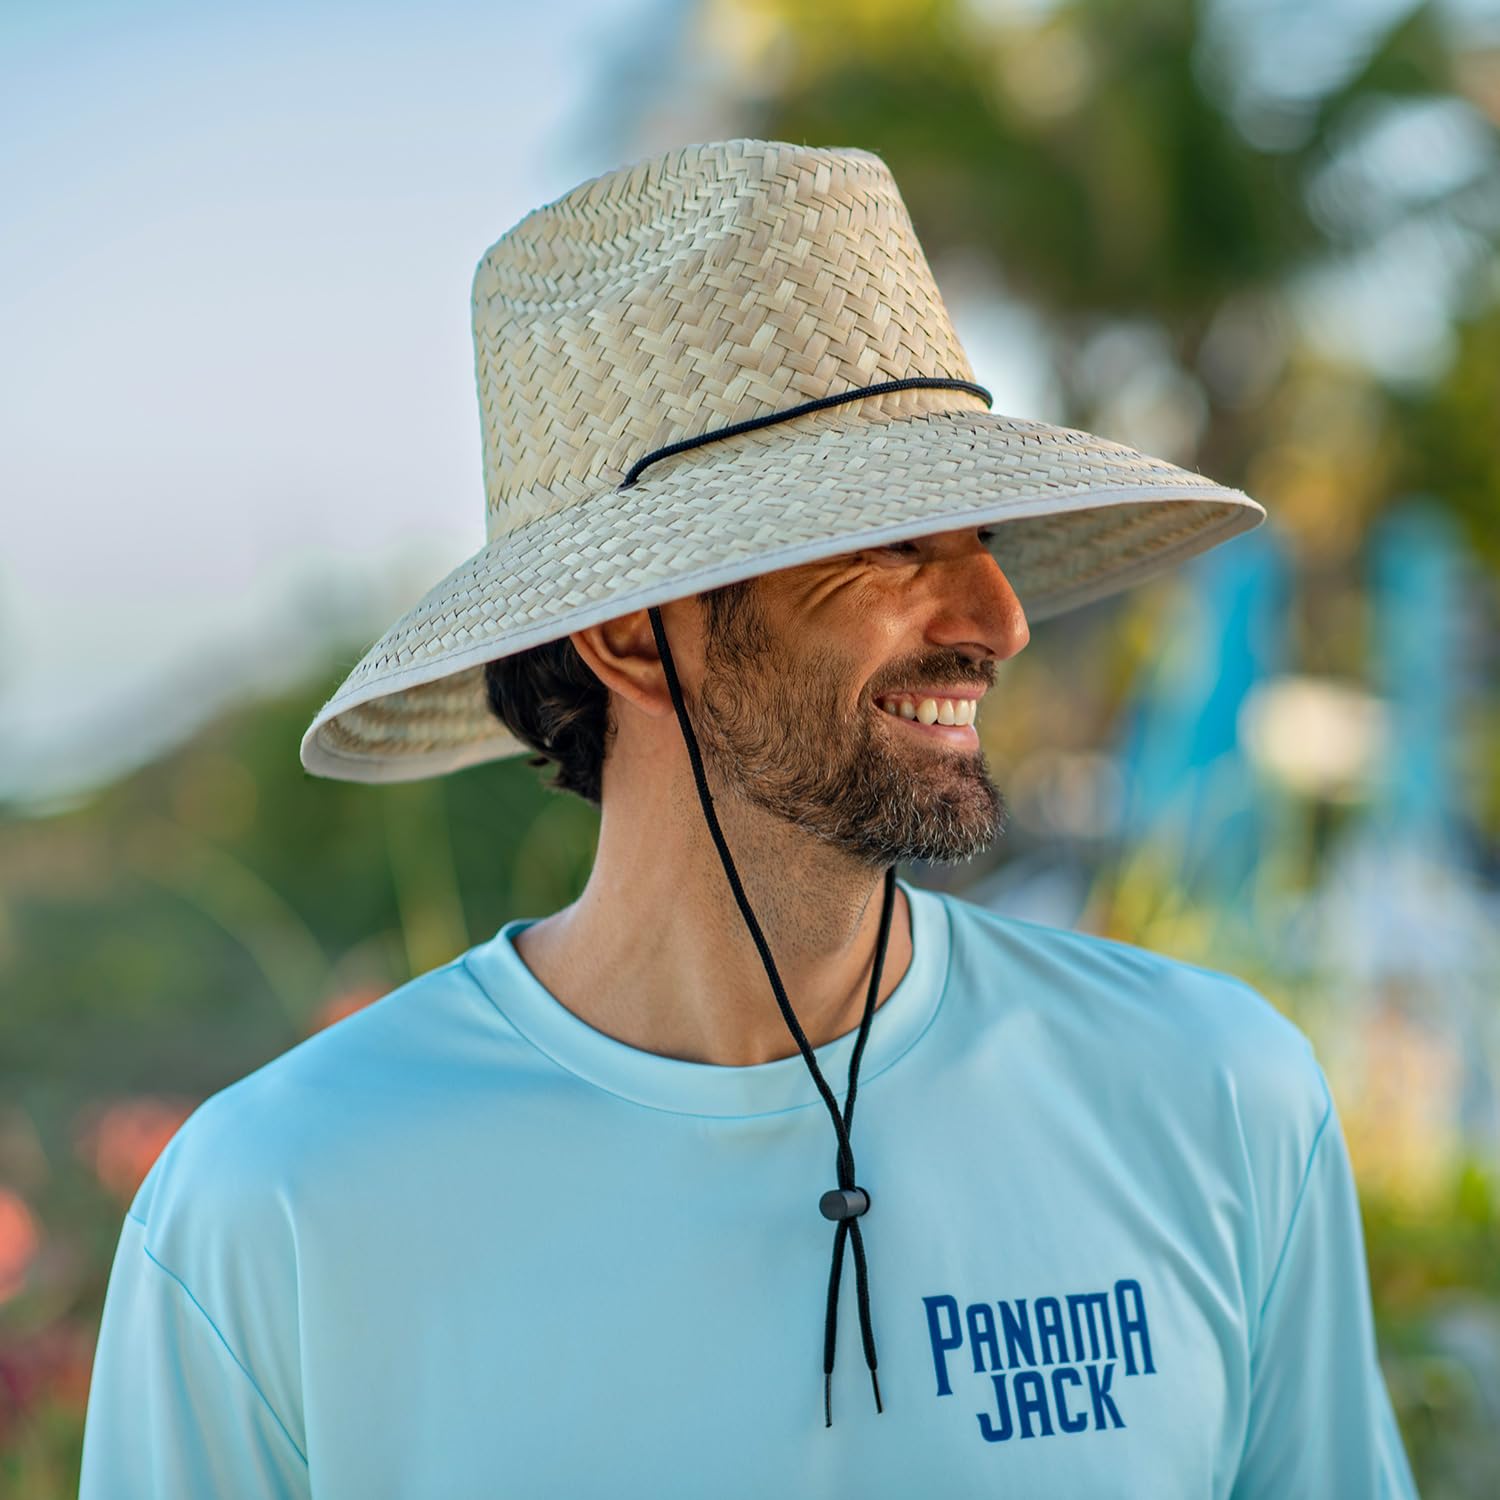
{"points": [[683, 1087]]}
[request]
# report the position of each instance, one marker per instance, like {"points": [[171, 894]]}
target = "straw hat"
{"points": [[708, 287]]}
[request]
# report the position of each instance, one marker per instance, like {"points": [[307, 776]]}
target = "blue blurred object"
{"points": [[1188, 781], [1416, 591]]}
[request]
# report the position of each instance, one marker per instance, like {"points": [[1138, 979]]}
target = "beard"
{"points": [[775, 726]]}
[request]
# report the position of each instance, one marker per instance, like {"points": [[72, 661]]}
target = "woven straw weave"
{"points": [[677, 296]]}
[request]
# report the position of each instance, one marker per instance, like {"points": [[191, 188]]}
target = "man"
{"points": [[551, 1219]]}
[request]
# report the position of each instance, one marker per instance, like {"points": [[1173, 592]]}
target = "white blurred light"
{"points": [[1318, 736]]}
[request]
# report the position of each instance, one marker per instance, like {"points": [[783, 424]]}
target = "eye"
{"points": [[902, 549]]}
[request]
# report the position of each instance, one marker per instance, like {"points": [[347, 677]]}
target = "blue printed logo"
{"points": [[1058, 1370]]}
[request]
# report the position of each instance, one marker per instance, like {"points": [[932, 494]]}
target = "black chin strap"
{"points": [[847, 1202]]}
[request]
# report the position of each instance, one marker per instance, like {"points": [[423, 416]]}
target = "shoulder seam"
{"points": [[1291, 1225], [239, 1363]]}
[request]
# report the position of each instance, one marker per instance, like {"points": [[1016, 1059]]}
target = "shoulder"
{"points": [[1189, 1029], [1192, 1074], [252, 1156]]}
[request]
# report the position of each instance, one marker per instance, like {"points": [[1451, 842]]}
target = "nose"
{"points": [[975, 609]]}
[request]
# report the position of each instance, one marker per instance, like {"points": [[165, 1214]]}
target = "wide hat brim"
{"points": [[1081, 518]]}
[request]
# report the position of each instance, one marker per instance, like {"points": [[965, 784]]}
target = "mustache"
{"points": [[945, 666]]}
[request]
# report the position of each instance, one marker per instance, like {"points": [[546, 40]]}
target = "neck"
{"points": [[656, 954]]}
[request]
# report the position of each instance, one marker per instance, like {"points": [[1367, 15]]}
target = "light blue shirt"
{"points": [[462, 1244]]}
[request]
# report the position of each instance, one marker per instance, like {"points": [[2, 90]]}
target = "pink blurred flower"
{"points": [[50, 1366], [119, 1142], [20, 1238]]}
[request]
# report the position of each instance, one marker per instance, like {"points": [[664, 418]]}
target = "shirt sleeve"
{"points": [[172, 1410], [1320, 1418]]}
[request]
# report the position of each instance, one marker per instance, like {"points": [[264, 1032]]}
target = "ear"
{"points": [[622, 654]]}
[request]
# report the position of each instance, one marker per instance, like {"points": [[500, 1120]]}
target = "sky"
{"points": [[237, 402]]}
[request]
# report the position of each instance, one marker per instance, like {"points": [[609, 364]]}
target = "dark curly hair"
{"points": [[549, 698]]}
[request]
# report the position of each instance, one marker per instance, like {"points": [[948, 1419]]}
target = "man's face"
{"points": [[807, 674]]}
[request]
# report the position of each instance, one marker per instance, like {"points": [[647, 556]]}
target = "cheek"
{"points": [[844, 625], [878, 632]]}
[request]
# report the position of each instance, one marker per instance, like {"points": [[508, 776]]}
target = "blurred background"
{"points": [[238, 436]]}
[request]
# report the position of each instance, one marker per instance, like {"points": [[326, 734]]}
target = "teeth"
{"points": [[957, 711]]}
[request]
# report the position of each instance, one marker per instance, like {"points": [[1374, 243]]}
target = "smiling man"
{"points": [[556, 1218]]}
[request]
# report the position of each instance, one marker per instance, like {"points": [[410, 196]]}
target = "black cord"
{"points": [[916, 382], [848, 1219]]}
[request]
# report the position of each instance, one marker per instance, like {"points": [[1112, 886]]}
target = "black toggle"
{"points": [[844, 1203]]}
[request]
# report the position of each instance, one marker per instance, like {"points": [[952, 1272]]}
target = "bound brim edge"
{"points": [[320, 758]]}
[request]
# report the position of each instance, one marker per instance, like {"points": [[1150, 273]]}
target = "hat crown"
{"points": [[679, 295]]}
